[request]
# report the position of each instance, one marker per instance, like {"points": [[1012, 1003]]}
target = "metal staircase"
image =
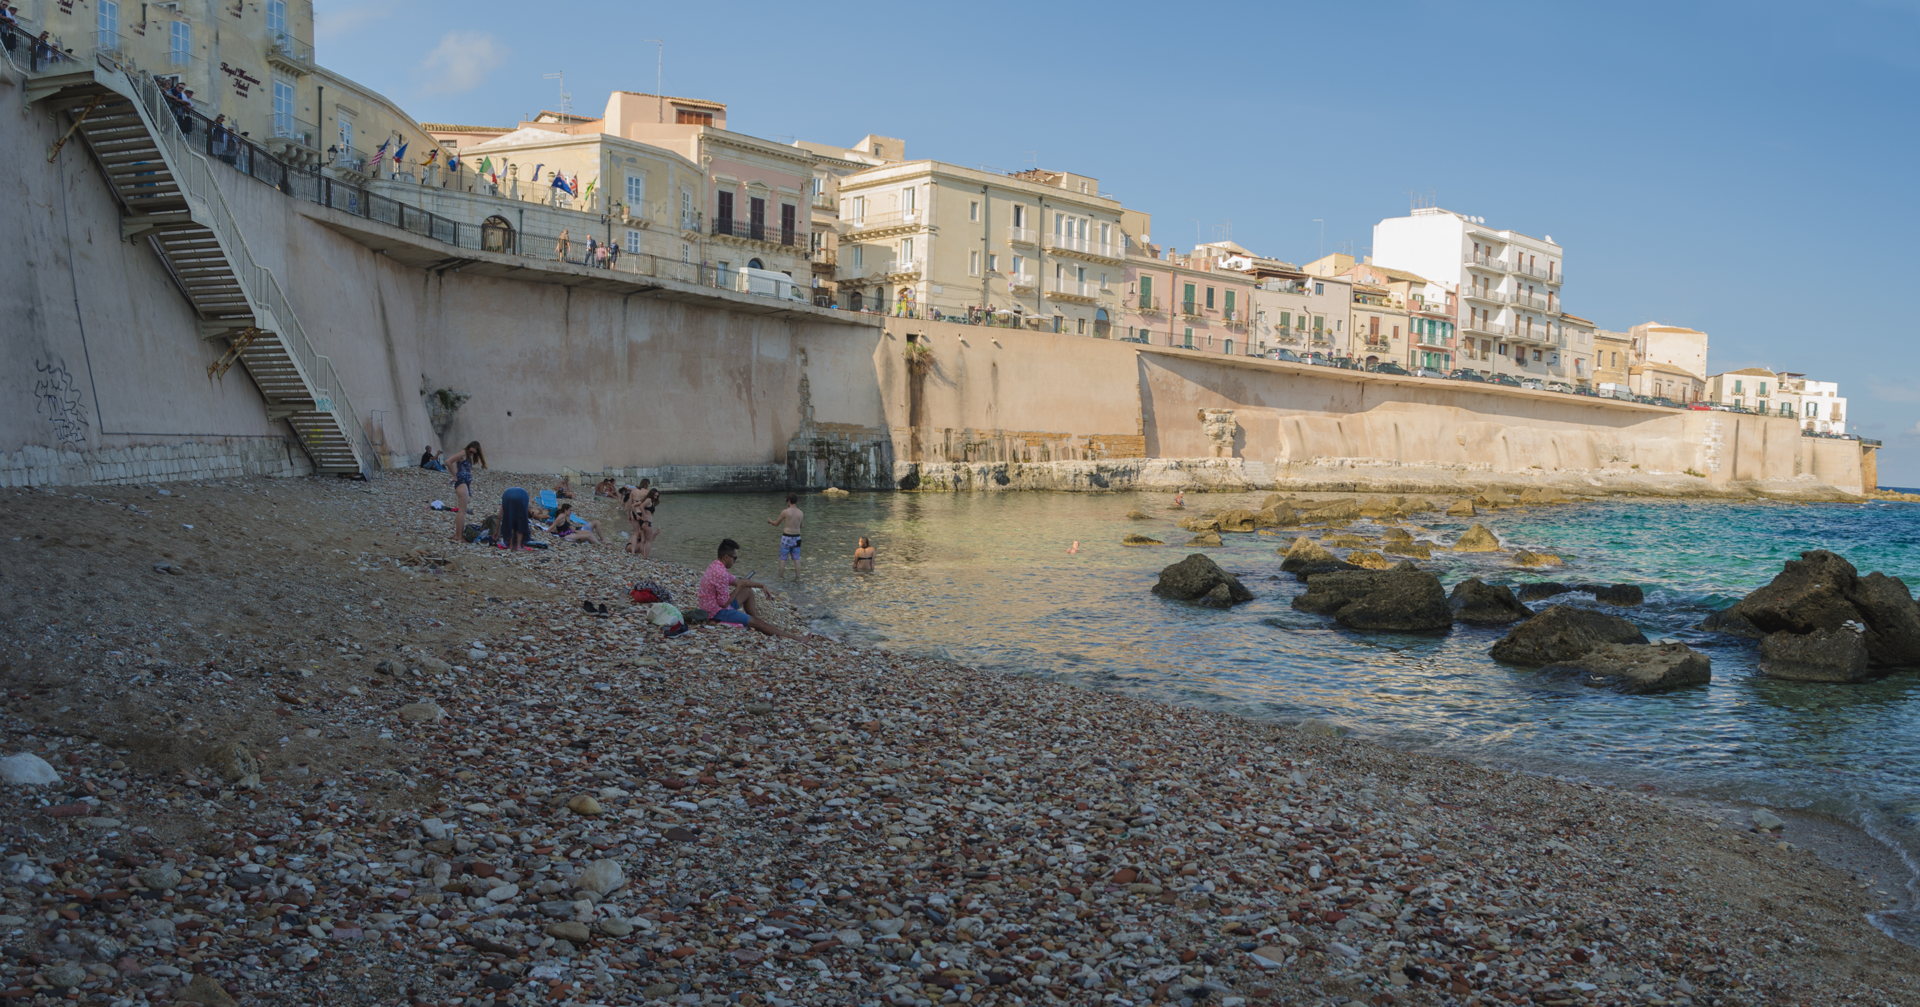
{"points": [[169, 197]]}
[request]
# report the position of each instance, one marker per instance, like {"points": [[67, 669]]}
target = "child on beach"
{"points": [[863, 556]]}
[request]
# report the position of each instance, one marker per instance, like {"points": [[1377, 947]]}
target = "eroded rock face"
{"points": [[1623, 595], [1400, 601], [1822, 592], [1478, 603], [1197, 577], [1305, 557], [1238, 520], [1477, 539], [1542, 589], [1824, 655], [1638, 668], [1561, 634]]}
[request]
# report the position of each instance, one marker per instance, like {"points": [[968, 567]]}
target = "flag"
{"points": [[486, 169], [560, 182], [400, 153], [373, 163], [590, 185], [536, 170], [432, 156], [453, 162]]}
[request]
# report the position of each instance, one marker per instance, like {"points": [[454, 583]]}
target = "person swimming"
{"points": [[863, 556]]}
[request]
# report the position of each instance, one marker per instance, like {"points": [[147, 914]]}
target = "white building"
{"points": [[1818, 405], [1508, 306]]}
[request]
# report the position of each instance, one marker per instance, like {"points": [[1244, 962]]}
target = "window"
{"points": [[1186, 299], [277, 19], [789, 223], [1146, 292], [1059, 323], [993, 262], [1286, 320], [721, 271], [1230, 304], [973, 263], [1080, 326], [1106, 236], [633, 242], [1319, 288], [859, 257], [906, 252], [907, 200], [180, 43], [283, 109], [1020, 266], [1080, 276], [687, 222], [857, 208], [1319, 324], [346, 132], [1209, 298], [1189, 337], [756, 217], [686, 252], [106, 23], [973, 210], [1019, 215], [1736, 386], [689, 117], [636, 192], [723, 211], [1763, 389]]}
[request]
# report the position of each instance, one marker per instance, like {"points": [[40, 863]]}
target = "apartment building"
{"points": [[1577, 356], [1422, 305], [1672, 345], [1818, 405], [252, 62], [1042, 249], [1612, 355], [830, 165], [1292, 309], [1507, 286], [1194, 301], [674, 181], [1665, 381]]}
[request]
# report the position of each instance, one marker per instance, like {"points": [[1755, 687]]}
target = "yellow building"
{"points": [[1039, 248], [1612, 356], [250, 62]]}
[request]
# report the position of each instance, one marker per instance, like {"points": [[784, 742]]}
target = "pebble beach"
{"points": [[309, 751]]}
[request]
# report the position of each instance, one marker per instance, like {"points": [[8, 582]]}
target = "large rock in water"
{"points": [[1623, 595], [1561, 634], [1477, 603], [1238, 520], [1637, 667], [1306, 557], [1399, 600], [1822, 592], [1824, 655], [1477, 539], [1197, 577], [1541, 589]]}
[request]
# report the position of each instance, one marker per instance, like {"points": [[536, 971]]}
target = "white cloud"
{"points": [[337, 24], [462, 61], [1916, 428]]}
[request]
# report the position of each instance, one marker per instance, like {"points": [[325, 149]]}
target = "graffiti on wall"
{"points": [[57, 397]]}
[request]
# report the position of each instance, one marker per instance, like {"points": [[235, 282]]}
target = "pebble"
{"points": [[602, 876], [585, 804], [1767, 821], [27, 769], [422, 713]]}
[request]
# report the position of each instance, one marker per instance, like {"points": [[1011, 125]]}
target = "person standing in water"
{"points": [[863, 556], [463, 484], [789, 522]]}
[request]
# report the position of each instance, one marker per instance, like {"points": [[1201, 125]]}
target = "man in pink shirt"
{"points": [[730, 599]]}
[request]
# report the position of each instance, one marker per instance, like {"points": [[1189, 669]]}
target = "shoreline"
{"points": [[947, 828]]}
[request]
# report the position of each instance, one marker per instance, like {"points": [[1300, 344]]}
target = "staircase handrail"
{"points": [[264, 290]]}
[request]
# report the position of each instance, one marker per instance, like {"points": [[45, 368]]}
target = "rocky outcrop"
{"points": [[1200, 524], [1541, 589], [1306, 557], [1237, 520], [1562, 634], [1477, 539], [1533, 560], [1280, 516], [1207, 539], [1462, 508], [1636, 668], [1821, 592], [1824, 655], [1622, 595], [1139, 540], [1399, 600], [1408, 547], [1367, 559], [1196, 578], [1477, 603]]}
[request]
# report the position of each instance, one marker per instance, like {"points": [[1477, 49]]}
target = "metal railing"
{"points": [[1522, 298], [1488, 328], [1022, 236], [306, 134], [1548, 274], [1073, 288], [193, 172], [875, 221], [1146, 303], [1191, 309], [20, 43], [1487, 262], [762, 231], [825, 201], [285, 46], [1488, 294], [1020, 280]]}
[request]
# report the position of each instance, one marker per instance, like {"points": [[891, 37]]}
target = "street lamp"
{"points": [[513, 181]]}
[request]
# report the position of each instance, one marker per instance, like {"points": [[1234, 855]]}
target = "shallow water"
{"points": [[986, 580]]}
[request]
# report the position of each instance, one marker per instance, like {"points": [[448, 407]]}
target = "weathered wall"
{"points": [[105, 377], [568, 367]]}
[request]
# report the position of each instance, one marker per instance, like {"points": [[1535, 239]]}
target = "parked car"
{"points": [[768, 283], [1504, 379], [1560, 386], [1466, 375], [1699, 406], [1388, 367], [1612, 390], [1657, 401], [1428, 372], [1533, 384], [1287, 355]]}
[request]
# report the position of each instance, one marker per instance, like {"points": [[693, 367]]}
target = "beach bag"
{"points": [[664, 614], [472, 532], [647, 592]]}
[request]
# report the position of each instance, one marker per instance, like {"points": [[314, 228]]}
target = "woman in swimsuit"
{"points": [[863, 556], [572, 528], [463, 483], [633, 503], [649, 502]]}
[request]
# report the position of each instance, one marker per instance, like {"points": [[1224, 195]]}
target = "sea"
{"points": [[994, 581]]}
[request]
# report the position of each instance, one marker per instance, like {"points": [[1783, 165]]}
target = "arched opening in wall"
{"points": [[754, 264], [1372, 361], [496, 235], [854, 301], [1102, 325]]}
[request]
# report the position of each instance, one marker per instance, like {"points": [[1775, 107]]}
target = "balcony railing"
{"points": [[877, 221], [1190, 308], [1488, 262], [1022, 236], [1020, 281], [825, 201], [1146, 304], [1547, 273], [1489, 295], [1378, 344], [1538, 302], [300, 131], [286, 50], [736, 228], [1488, 328], [1073, 288]]}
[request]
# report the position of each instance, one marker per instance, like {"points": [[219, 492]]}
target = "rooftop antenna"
{"points": [[659, 73], [566, 100]]}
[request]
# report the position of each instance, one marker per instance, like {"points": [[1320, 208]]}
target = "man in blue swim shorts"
{"points": [[789, 522]]}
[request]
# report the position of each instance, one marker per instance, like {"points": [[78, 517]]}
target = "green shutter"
{"points": [[1229, 302], [1286, 319]]}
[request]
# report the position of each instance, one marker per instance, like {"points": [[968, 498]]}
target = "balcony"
{"points": [[905, 267], [728, 227], [1537, 302], [1487, 262], [1146, 304], [1191, 309], [1487, 295], [1378, 345], [1485, 328], [1547, 273], [876, 223], [1020, 281], [825, 259], [826, 201], [1022, 236], [1073, 244], [298, 141], [289, 54], [1073, 290], [1374, 301]]}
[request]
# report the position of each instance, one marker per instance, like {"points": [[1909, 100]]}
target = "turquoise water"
{"points": [[987, 580]]}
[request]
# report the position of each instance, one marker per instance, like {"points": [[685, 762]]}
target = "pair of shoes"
{"points": [[592, 609]]}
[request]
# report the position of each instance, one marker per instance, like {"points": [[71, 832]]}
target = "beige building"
{"points": [[250, 62], [1612, 356], [830, 165], [929, 239], [1579, 350], [1672, 345], [1665, 381]]}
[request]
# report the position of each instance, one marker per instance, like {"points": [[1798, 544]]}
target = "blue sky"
{"points": [[1750, 169]]}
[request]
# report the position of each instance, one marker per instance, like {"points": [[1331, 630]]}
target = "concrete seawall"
{"points": [[555, 366]]}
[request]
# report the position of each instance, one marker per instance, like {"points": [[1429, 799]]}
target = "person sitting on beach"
{"points": [[570, 527], [789, 521], [863, 556], [563, 489], [606, 488], [730, 599], [430, 459]]}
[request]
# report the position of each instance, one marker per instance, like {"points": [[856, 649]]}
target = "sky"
{"points": [[1736, 167]]}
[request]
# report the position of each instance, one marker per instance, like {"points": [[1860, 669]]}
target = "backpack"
{"points": [[647, 592]]}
